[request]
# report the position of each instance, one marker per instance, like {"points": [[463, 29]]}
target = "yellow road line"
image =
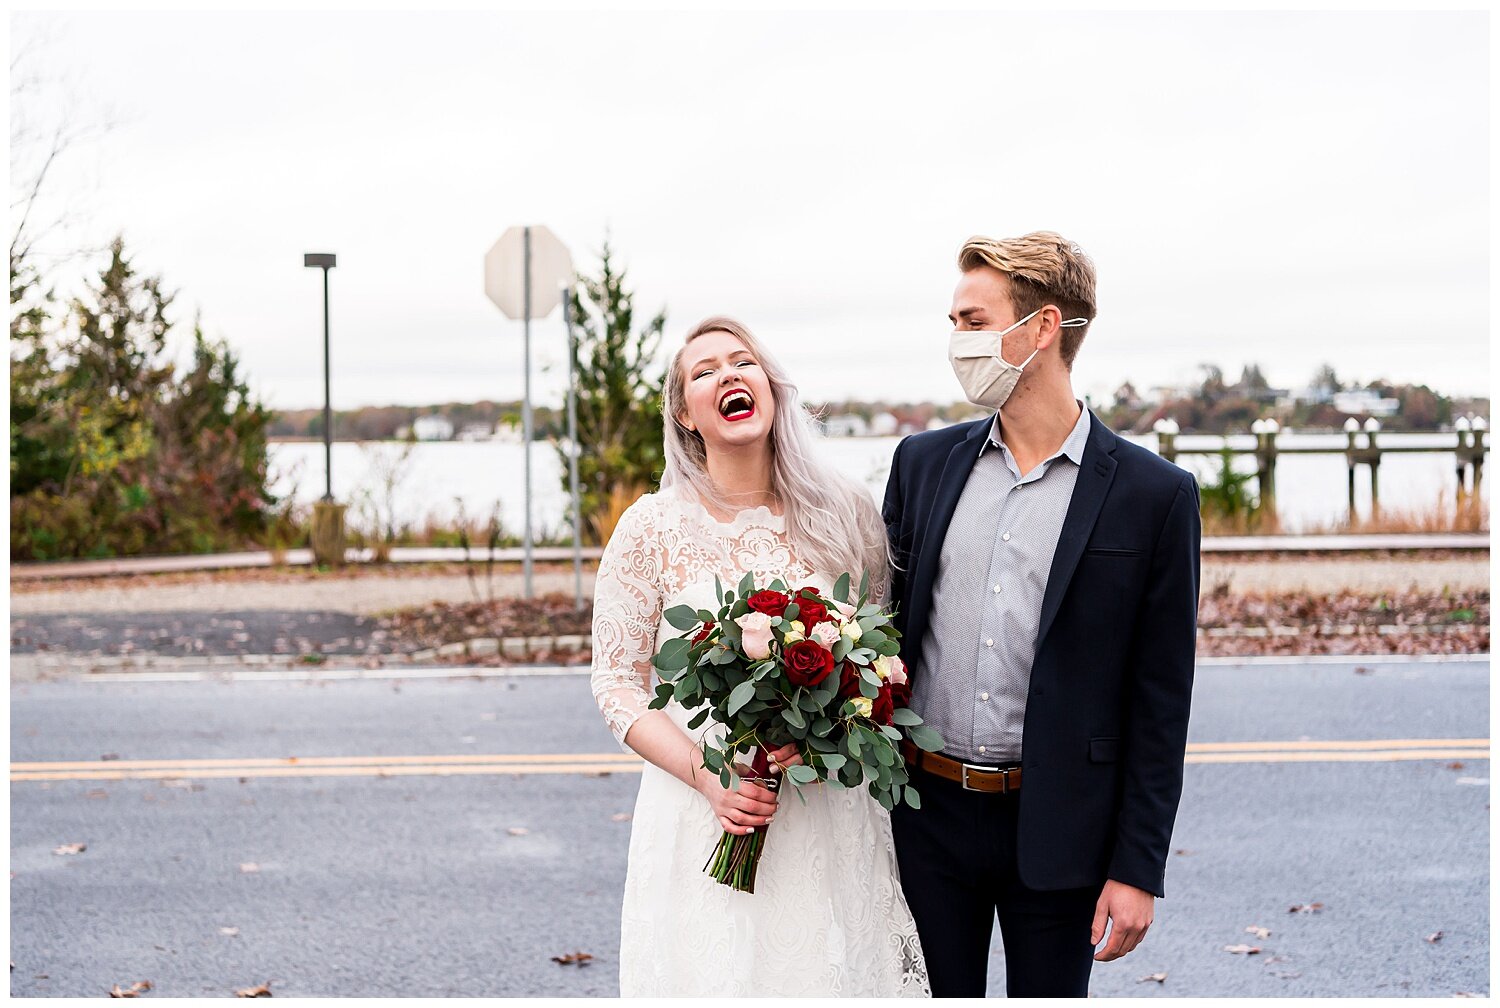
{"points": [[314, 761], [1365, 756], [1481, 743], [1302, 751], [444, 770]]}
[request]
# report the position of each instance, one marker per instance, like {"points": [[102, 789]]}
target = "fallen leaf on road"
{"points": [[1361, 670], [518, 831], [1158, 977], [1455, 766], [230, 931], [1182, 852], [249, 867], [1305, 908], [1242, 949], [1258, 932], [575, 958], [110, 756], [264, 990], [1435, 937], [620, 817], [70, 848], [134, 990]]}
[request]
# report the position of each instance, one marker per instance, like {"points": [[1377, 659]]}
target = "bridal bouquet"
{"points": [[774, 666]]}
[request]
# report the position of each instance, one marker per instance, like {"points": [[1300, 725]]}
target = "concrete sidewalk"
{"points": [[1465, 541]]}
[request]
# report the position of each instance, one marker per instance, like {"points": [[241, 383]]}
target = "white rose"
{"points": [[863, 706], [897, 674], [755, 637], [826, 634]]}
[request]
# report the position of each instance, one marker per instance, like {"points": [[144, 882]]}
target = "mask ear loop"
{"points": [[1075, 322]]}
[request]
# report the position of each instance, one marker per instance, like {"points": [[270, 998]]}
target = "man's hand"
{"points": [[1130, 909]]}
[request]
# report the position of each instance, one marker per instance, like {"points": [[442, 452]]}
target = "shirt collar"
{"points": [[1072, 447]]}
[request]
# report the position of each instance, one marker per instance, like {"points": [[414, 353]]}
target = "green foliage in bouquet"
{"points": [[847, 719]]}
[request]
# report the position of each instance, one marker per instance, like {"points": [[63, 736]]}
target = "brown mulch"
{"points": [[1408, 622], [1404, 622], [440, 623]]}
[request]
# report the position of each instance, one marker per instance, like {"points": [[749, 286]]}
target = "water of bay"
{"points": [[1311, 489]]}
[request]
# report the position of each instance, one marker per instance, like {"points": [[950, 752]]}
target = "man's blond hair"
{"points": [[1043, 268]]}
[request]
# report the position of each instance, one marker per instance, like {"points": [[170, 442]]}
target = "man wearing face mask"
{"points": [[1047, 591]]}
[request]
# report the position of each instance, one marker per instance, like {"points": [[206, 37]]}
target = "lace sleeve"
{"points": [[627, 611]]}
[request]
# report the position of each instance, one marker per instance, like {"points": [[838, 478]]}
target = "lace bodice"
{"points": [[664, 550]]}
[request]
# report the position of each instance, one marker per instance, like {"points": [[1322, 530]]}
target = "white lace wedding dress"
{"points": [[827, 917]]}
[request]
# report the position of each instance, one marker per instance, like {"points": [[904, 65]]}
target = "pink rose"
{"points": [[825, 634], [755, 635], [897, 673], [845, 610]]}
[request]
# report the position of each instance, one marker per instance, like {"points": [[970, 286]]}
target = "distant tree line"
{"points": [[1218, 407]]}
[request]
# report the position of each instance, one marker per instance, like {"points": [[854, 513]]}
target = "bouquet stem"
{"points": [[736, 859]]}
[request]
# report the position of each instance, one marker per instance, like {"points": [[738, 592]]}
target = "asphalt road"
{"points": [[386, 879]]}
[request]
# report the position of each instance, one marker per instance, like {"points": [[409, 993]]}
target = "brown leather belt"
{"points": [[990, 780]]}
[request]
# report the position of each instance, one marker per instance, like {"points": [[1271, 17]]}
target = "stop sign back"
{"points": [[504, 271]]}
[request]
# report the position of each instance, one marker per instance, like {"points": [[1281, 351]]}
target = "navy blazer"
{"points": [[1107, 708]]}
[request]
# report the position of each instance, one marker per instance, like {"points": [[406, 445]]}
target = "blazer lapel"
{"points": [[1095, 475], [960, 461]]}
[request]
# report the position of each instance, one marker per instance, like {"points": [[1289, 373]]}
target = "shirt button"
{"points": [[984, 696], [1005, 537], [989, 643], [981, 748], [997, 589]]}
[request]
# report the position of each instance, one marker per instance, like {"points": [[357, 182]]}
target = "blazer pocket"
{"points": [[1104, 750], [1112, 552]]}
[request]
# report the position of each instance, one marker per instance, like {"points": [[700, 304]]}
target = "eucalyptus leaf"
{"points": [[673, 656], [747, 585], [698, 718], [740, 696], [682, 617], [925, 738], [833, 761], [802, 773], [906, 716], [841, 589], [912, 798]]}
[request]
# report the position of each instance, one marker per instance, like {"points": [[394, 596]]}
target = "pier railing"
{"points": [[1362, 449]]}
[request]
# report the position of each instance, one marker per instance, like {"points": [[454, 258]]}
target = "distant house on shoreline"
{"points": [[432, 428]]}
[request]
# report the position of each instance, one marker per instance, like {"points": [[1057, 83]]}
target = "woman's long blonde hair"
{"points": [[828, 528]]}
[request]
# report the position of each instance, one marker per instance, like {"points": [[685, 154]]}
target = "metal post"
{"points": [[567, 307], [526, 405], [327, 401]]}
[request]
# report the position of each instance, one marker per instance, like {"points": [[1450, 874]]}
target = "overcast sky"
{"points": [[1284, 189]]}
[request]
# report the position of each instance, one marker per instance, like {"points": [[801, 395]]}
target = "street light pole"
{"points": [[328, 516], [325, 261]]}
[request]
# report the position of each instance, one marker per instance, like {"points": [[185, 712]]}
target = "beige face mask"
{"points": [[988, 378]]}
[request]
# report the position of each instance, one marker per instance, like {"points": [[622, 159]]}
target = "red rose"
{"points": [[810, 612], [708, 628], [848, 681], [900, 693], [808, 663], [884, 707], [772, 603]]}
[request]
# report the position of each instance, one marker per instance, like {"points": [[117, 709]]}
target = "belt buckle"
{"points": [[1005, 783]]}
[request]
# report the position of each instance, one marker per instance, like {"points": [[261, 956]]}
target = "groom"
{"points": [[1047, 583]]}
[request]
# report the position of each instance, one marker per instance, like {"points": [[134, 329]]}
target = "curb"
{"points": [[513, 648]]}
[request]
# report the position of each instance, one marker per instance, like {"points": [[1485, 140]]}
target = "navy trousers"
{"points": [[957, 855]]}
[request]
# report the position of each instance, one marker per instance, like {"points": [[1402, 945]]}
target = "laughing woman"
{"points": [[741, 493]]}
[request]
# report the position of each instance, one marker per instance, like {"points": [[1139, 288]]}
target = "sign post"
{"points": [[523, 256]]}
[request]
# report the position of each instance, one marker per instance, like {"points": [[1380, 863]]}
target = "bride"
{"points": [[741, 492]]}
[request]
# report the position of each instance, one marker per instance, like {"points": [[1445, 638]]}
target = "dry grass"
{"points": [[1444, 515]]}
